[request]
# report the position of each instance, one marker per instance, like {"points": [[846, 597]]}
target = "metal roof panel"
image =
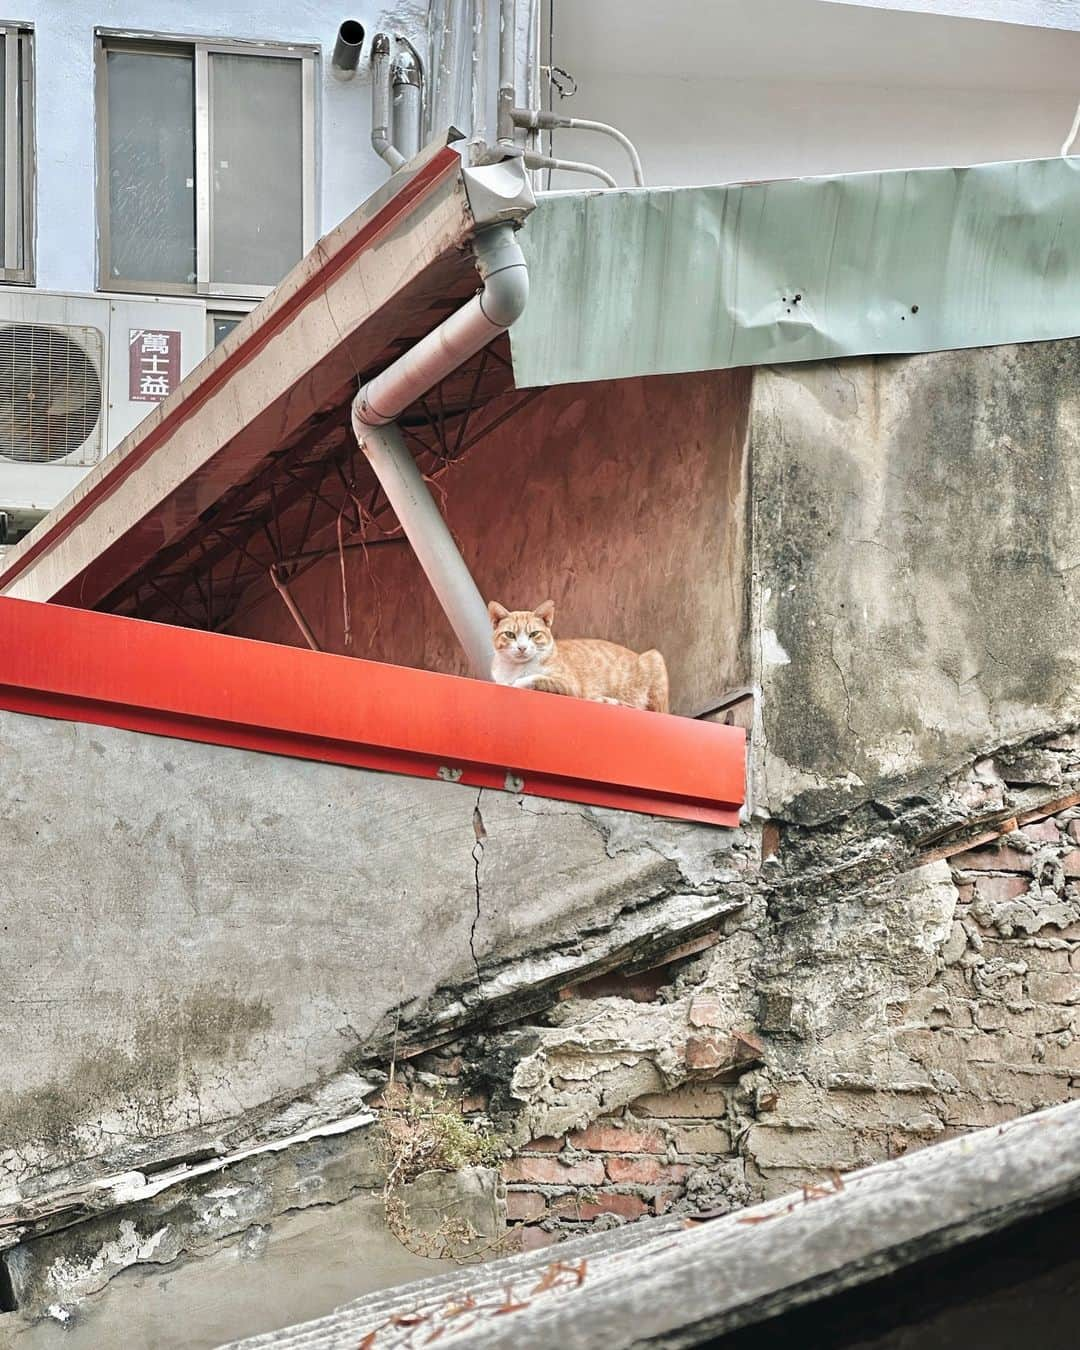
{"points": [[661, 280]]}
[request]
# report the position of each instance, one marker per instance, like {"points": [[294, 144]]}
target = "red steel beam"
{"points": [[82, 666]]}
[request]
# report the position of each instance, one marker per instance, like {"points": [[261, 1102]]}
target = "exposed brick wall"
{"points": [[990, 1033], [827, 1027], [636, 1163]]}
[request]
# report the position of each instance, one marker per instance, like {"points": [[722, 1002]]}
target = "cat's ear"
{"points": [[496, 613], [546, 611]]}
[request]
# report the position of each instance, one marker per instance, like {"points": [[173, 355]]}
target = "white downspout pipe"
{"points": [[406, 90], [501, 265], [507, 95], [381, 132]]}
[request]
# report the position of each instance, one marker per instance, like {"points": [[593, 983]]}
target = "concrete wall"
{"points": [[1040, 13], [245, 1249], [196, 935], [915, 553], [595, 496], [788, 128]]}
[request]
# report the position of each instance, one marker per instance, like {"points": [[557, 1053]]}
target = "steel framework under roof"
{"points": [[251, 465]]}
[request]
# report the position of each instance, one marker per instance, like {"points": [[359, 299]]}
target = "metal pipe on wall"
{"points": [[479, 96], [406, 85], [502, 268], [507, 95], [533, 160], [381, 140], [347, 48], [546, 121]]}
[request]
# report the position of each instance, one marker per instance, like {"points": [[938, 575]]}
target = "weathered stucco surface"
{"points": [[194, 933], [594, 495], [246, 1246], [917, 565]]}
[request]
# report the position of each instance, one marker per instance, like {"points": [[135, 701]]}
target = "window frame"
{"points": [[200, 49], [222, 309], [19, 161]]}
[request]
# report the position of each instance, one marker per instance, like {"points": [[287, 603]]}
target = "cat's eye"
{"points": [[536, 635]]}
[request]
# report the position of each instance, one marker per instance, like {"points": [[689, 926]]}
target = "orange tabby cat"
{"points": [[527, 655]]}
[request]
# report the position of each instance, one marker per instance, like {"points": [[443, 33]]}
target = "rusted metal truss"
{"points": [[311, 500]]}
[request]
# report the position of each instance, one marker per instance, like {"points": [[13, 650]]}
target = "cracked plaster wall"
{"points": [[895, 978], [196, 936], [186, 1261], [917, 573], [886, 980]]}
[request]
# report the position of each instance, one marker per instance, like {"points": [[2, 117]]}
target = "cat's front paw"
{"points": [[602, 698]]}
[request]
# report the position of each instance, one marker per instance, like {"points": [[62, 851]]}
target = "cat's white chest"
{"points": [[514, 672]]}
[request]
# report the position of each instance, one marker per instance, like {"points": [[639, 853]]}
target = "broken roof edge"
{"points": [[668, 280], [487, 196], [660, 1282]]}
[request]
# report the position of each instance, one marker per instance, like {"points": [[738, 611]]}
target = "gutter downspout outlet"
{"points": [[502, 267]]}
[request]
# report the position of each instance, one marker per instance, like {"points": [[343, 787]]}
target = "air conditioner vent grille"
{"points": [[50, 393]]}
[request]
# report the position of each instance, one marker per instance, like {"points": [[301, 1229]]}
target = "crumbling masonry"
{"points": [[204, 1005], [907, 974]]}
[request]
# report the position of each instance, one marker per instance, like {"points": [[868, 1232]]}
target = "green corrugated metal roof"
{"points": [[648, 281]]}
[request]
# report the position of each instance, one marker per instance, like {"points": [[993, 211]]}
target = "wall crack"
{"points": [[480, 834]]}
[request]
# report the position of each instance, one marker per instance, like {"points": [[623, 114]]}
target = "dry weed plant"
{"points": [[428, 1133]]}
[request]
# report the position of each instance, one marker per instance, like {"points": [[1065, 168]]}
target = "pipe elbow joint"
{"points": [[364, 417], [406, 67], [505, 295], [501, 264], [385, 149]]}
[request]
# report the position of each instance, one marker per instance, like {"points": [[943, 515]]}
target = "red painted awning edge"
{"points": [[83, 666]]}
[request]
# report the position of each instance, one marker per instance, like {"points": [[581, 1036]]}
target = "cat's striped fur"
{"points": [[526, 655]]}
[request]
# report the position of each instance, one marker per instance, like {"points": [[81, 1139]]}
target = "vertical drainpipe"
{"points": [[507, 98], [502, 268], [380, 103], [406, 84]]}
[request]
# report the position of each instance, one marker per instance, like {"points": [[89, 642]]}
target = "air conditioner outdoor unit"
{"points": [[77, 373]]}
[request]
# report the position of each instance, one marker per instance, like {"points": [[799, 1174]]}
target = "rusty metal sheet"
{"points": [[659, 280]]}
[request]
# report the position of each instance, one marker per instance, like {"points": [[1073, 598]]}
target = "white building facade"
{"points": [[166, 162]]}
